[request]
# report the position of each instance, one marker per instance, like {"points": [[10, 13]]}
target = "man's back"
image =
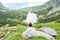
{"points": [[31, 32]]}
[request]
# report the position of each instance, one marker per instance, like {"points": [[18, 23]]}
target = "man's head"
{"points": [[30, 24]]}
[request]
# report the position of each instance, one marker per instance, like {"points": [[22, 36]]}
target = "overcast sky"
{"points": [[15, 4], [4, 1]]}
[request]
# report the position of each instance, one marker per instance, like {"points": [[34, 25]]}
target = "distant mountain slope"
{"points": [[1, 6], [42, 9], [9, 16], [48, 11], [54, 13]]}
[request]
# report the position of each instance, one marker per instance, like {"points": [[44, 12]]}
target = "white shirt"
{"points": [[31, 32]]}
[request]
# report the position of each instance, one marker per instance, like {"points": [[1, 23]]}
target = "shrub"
{"points": [[1, 25], [37, 25], [24, 23], [58, 21], [13, 22]]}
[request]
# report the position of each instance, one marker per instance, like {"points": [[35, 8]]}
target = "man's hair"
{"points": [[30, 24]]}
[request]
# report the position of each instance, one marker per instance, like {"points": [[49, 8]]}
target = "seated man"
{"points": [[30, 32]]}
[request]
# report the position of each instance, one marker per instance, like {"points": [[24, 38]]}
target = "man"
{"points": [[29, 32]]}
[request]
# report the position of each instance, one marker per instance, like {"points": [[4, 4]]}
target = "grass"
{"points": [[15, 33], [38, 38]]}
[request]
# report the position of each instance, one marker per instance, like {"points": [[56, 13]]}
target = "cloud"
{"points": [[30, 4], [22, 5], [4, 1], [25, 3]]}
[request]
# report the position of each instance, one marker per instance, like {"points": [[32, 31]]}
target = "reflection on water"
{"points": [[31, 18]]}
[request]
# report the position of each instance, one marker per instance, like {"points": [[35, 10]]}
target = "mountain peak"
{"points": [[1, 5]]}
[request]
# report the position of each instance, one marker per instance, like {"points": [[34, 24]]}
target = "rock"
{"points": [[40, 33], [56, 2], [29, 32], [48, 30]]}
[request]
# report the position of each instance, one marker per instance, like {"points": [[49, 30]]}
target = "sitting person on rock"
{"points": [[31, 32]]}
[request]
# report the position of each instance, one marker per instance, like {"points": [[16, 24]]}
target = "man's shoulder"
{"points": [[30, 28]]}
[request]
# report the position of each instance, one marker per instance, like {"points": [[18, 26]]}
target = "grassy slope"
{"points": [[15, 33]]}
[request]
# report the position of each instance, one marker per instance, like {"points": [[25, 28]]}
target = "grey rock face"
{"points": [[49, 31], [56, 2]]}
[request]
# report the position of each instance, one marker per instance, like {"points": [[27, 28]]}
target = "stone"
{"points": [[48, 30]]}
